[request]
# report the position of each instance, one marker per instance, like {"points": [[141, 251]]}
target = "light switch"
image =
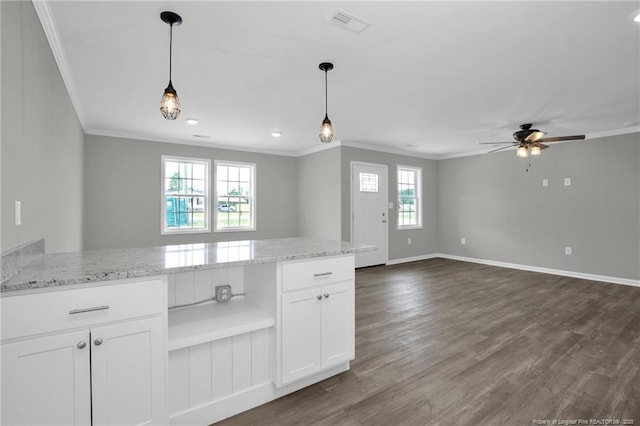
{"points": [[18, 213], [545, 182], [567, 251], [463, 241], [567, 181]]}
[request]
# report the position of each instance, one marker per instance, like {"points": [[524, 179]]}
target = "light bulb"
{"points": [[326, 131], [170, 104], [535, 150], [522, 152]]}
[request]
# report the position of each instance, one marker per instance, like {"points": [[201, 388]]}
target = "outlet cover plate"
{"points": [[223, 293]]}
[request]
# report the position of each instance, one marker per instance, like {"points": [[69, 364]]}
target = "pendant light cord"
{"points": [[326, 103], [170, 49]]}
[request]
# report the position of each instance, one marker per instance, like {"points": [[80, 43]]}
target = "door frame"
{"points": [[386, 203]]}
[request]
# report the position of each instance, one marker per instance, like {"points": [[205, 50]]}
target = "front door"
{"points": [[369, 213]]}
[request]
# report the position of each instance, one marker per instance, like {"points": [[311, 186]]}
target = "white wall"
{"points": [[319, 201], [42, 141]]}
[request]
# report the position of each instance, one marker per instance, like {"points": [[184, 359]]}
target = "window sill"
{"points": [[235, 229], [185, 231], [409, 228]]}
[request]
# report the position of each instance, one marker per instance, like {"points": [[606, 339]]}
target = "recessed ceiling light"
{"points": [[276, 134], [192, 121]]}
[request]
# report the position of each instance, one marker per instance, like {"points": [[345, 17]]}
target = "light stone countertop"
{"points": [[53, 270]]}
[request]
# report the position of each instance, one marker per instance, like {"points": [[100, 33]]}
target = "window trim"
{"points": [[418, 172], [163, 204], [253, 196]]}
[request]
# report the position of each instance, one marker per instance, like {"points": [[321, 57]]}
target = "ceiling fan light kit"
{"points": [[170, 104], [530, 142], [326, 130]]}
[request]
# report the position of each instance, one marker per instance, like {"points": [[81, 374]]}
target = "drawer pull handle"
{"points": [[326, 295], [95, 308], [319, 297], [82, 345], [97, 342], [322, 274]]}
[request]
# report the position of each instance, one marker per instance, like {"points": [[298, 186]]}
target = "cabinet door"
{"points": [[46, 381], [338, 324], [301, 333], [127, 373]]}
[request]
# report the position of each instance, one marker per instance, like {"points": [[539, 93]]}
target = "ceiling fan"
{"points": [[530, 141]]}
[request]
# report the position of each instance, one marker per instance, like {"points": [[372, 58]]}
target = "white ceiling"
{"points": [[437, 76]]}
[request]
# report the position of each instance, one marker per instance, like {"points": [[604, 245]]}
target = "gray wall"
{"points": [[424, 241], [319, 186], [42, 141], [507, 215], [122, 193]]}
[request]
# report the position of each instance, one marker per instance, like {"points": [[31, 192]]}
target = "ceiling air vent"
{"points": [[348, 21]]}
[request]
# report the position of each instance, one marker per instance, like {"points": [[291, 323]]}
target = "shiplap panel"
{"points": [[202, 284], [241, 362], [184, 288], [260, 356], [199, 374], [178, 380], [222, 367], [171, 289]]}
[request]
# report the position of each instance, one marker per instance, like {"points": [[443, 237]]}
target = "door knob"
{"points": [[82, 345], [97, 342]]}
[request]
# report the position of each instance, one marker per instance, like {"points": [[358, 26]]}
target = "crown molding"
{"points": [[388, 150], [204, 144], [50, 31]]}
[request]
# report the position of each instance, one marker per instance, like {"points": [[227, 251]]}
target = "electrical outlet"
{"points": [[223, 293], [567, 251], [409, 241], [567, 181], [463, 241], [545, 182]]}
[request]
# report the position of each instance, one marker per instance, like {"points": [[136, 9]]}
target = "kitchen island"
{"points": [[137, 336]]}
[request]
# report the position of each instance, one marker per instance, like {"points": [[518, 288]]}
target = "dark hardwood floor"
{"points": [[447, 342]]}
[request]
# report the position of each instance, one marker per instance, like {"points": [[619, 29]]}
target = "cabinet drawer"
{"points": [[311, 273], [45, 312]]}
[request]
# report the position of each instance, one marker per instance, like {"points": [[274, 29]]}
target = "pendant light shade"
{"points": [[522, 151], [170, 104], [326, 130]]}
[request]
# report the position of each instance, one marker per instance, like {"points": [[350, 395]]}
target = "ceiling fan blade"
{"points": [[562, 138], [543, 146], [493, 143], [500, 149]]}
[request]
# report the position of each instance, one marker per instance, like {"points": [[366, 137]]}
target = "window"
{"points": [[185, 195], [368, 182], [235, 196], [409, 197]]}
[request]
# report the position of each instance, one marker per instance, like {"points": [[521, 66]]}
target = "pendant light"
{"points": [[170, 104], [326, 131]]}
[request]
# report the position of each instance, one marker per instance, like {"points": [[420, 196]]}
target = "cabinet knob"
{"points": [[319, 297], [326, 295], [97, 342], [82, 345]]}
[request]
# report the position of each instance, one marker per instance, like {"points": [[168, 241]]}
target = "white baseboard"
{"points": [[573, 274], [560, 272], [412, 259], [247, 399]]}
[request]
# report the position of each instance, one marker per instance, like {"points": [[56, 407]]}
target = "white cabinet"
{"points": [[109, 370], [318, 317], [46, 381]]}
